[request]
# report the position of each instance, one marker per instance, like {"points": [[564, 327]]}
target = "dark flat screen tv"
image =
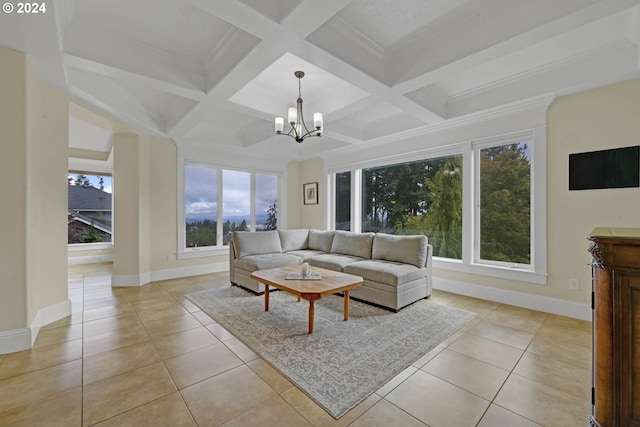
{"points": [[615, 168]]}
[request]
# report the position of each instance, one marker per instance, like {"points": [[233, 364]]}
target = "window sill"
{"points": [[77, 247], [192, 253], [509, 273]]}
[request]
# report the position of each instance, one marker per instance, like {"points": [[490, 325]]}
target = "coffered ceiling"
{"points": [[214, 73]]}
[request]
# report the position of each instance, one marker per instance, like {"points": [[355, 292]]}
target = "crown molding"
{"points": [[537, 104]]}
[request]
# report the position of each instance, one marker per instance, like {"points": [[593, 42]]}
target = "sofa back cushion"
{"points": [[256, 243], [293, 240], [320, 240], [405, 249], [350, 243]]}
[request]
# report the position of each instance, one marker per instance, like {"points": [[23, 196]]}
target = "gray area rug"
{"points": [[341, 363]]}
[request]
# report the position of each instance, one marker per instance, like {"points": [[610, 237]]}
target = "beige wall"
{"points": [[128, 196], [47, 141], [13, 180], [301, 215], [294, 198], [607, 117], [33, 168], [164, 202], [133, 157]]}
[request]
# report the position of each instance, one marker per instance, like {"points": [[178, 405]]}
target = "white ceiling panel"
{"points": [[172, 26], [535, 58], [388, 21], [276, 10], [276, 88]]}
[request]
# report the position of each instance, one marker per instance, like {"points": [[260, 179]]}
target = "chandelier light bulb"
{"points": [[292, 116], [279, 124]]}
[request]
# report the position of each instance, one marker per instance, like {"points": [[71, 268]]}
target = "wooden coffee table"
{"points": [[331, 282]]}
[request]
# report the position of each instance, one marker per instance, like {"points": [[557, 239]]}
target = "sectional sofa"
{"points": [[396, 269]]}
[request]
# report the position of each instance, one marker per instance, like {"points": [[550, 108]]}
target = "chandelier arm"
{"points": [[303, 137], [301, 117]]}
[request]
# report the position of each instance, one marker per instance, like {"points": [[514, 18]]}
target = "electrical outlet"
{"points": [[574, 284]]}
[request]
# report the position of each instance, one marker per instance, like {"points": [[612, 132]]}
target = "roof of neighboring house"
{"points": [[75, 217], [88, 198]]}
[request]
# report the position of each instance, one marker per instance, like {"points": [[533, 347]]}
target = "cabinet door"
{"points": [[629, 346], [605, 404]]}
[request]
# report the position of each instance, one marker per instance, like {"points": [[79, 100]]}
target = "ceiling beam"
{"points": [[142, 79], [424, 71]]}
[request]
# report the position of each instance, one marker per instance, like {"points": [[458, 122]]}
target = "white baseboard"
{"points": [[173, 273], [521, 299], [127, 280], [48, 315], [89, 259], [24, 338], [15, 340]]}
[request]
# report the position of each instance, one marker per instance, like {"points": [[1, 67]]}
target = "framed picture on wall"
{"points": [[310, 193]]}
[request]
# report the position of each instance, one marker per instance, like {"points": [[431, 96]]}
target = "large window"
{"points": [[343, 201], [266, 202], [244, 201], [422, 197], [236, 202], [481, 203], [504, 203], [201, 200], [89, 208]]}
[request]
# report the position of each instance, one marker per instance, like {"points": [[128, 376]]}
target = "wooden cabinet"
{"points": [[616, 327]]}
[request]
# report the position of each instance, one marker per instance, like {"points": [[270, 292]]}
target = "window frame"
{"points": [[220, 248], [77, 247], [477, 147], [536, 271]]}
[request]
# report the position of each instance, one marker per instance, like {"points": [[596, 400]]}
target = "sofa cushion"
{"points": [[255, 243], [252, 263], [320, 240], [306, 254], [350, 243], [388, 272], [405, 249], [293, 240], [335, 262]]}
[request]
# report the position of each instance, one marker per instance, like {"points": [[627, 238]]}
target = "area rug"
{"points": [[341, 363]]}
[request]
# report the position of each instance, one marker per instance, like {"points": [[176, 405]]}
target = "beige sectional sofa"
{"points": [[396, 269]]}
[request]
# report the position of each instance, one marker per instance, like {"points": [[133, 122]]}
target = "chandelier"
{"points": [[295, 118]]}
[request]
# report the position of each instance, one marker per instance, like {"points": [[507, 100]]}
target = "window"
{"points": [[201, 202], [481, 203], [266, 202], [504, 203], [243, 200], [89, 210], [343, 201], [422, 197], [236, 209]]}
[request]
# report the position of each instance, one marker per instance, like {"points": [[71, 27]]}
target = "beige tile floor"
{"points": [[149, 357]]}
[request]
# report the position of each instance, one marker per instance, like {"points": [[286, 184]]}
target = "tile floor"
{"points": [[148, 357]]}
